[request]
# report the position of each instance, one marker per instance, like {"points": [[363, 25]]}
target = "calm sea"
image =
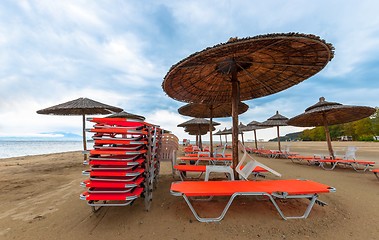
{"points": [[24, 148]]}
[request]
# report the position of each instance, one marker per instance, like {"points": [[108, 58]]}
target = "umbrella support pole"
{"points": [[255, 138], [235, 101], [84, 137], [328, 139], [210, 133], [277, 130]]}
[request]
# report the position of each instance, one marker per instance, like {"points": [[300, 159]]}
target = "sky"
{"points": [[118, 52]]}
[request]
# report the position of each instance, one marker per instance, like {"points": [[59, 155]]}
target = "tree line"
{"points": [[361, 130]]}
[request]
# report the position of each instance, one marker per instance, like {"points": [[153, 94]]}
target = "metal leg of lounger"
{"points": [[357, 169], [311, 197], [329, 169], [376, 175], [217, 219]]}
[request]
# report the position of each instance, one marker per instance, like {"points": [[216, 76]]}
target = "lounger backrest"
{"points": [[245, 170], [222, 153], [350, 153]]}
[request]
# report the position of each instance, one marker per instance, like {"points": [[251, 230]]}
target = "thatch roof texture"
{"points": [[276, 120], [198, 121], [334, 113], [127, 115], [80, 106], [202, 110], [266, 64]]}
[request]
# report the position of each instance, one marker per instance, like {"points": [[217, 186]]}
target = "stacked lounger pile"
{"points": [[124, 162]]}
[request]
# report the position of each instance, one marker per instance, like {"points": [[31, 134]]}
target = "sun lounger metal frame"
{"points": [[376, 172], [128, 198], [313, 197], [355, 164]]}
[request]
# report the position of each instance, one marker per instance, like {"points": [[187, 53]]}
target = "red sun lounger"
{"points": [[282, 189], [376, 172], [115, 152], [130, 164], [113, 173], [357, 165], [99, 186], [122, 199], [212, 160], [116, 130], [202, 169]]}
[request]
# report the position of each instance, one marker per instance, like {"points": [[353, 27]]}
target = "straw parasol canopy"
{"points": [[203, 110], [219, 132], [247, 68], [276, 121], [127, 115], [326, 113], [199, 124], [254, 126], [80, 106]]}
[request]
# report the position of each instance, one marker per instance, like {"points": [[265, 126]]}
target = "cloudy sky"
{"points": [[117, 52]]}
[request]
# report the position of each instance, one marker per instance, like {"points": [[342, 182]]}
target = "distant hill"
{"points": [[288, 137]]}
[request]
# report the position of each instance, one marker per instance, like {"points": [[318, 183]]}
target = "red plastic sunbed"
{"points": [[115, 130], [108, 199], [116, 152], [357, 165], [212, 160], [202, 168], [283, 189], [101, 186], [95, 162], [113, 173]]}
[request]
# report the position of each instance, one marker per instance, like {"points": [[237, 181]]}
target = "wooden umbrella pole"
{"points": [[327, 135], [84, 136], [235, 101], [210, 132], [197, 140], [255, 138], [200, 142], [277, 130], [220, 140], [243, 141]]}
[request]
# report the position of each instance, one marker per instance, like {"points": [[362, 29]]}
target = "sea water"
{"points": [[24, 148]]}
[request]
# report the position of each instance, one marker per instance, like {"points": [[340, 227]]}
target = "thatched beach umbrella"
{"points": [[219, 133], [198, 123], [127, 115], [247, 68], [326, 113], [276, 121], [225, 132], [240, 130], [254, 126], [202, 110], [80, 106]]}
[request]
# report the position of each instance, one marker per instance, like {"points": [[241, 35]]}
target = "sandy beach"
{"points": [[40, 200]]}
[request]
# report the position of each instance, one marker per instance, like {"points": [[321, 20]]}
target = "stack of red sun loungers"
{"points": [[124, 162]]}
